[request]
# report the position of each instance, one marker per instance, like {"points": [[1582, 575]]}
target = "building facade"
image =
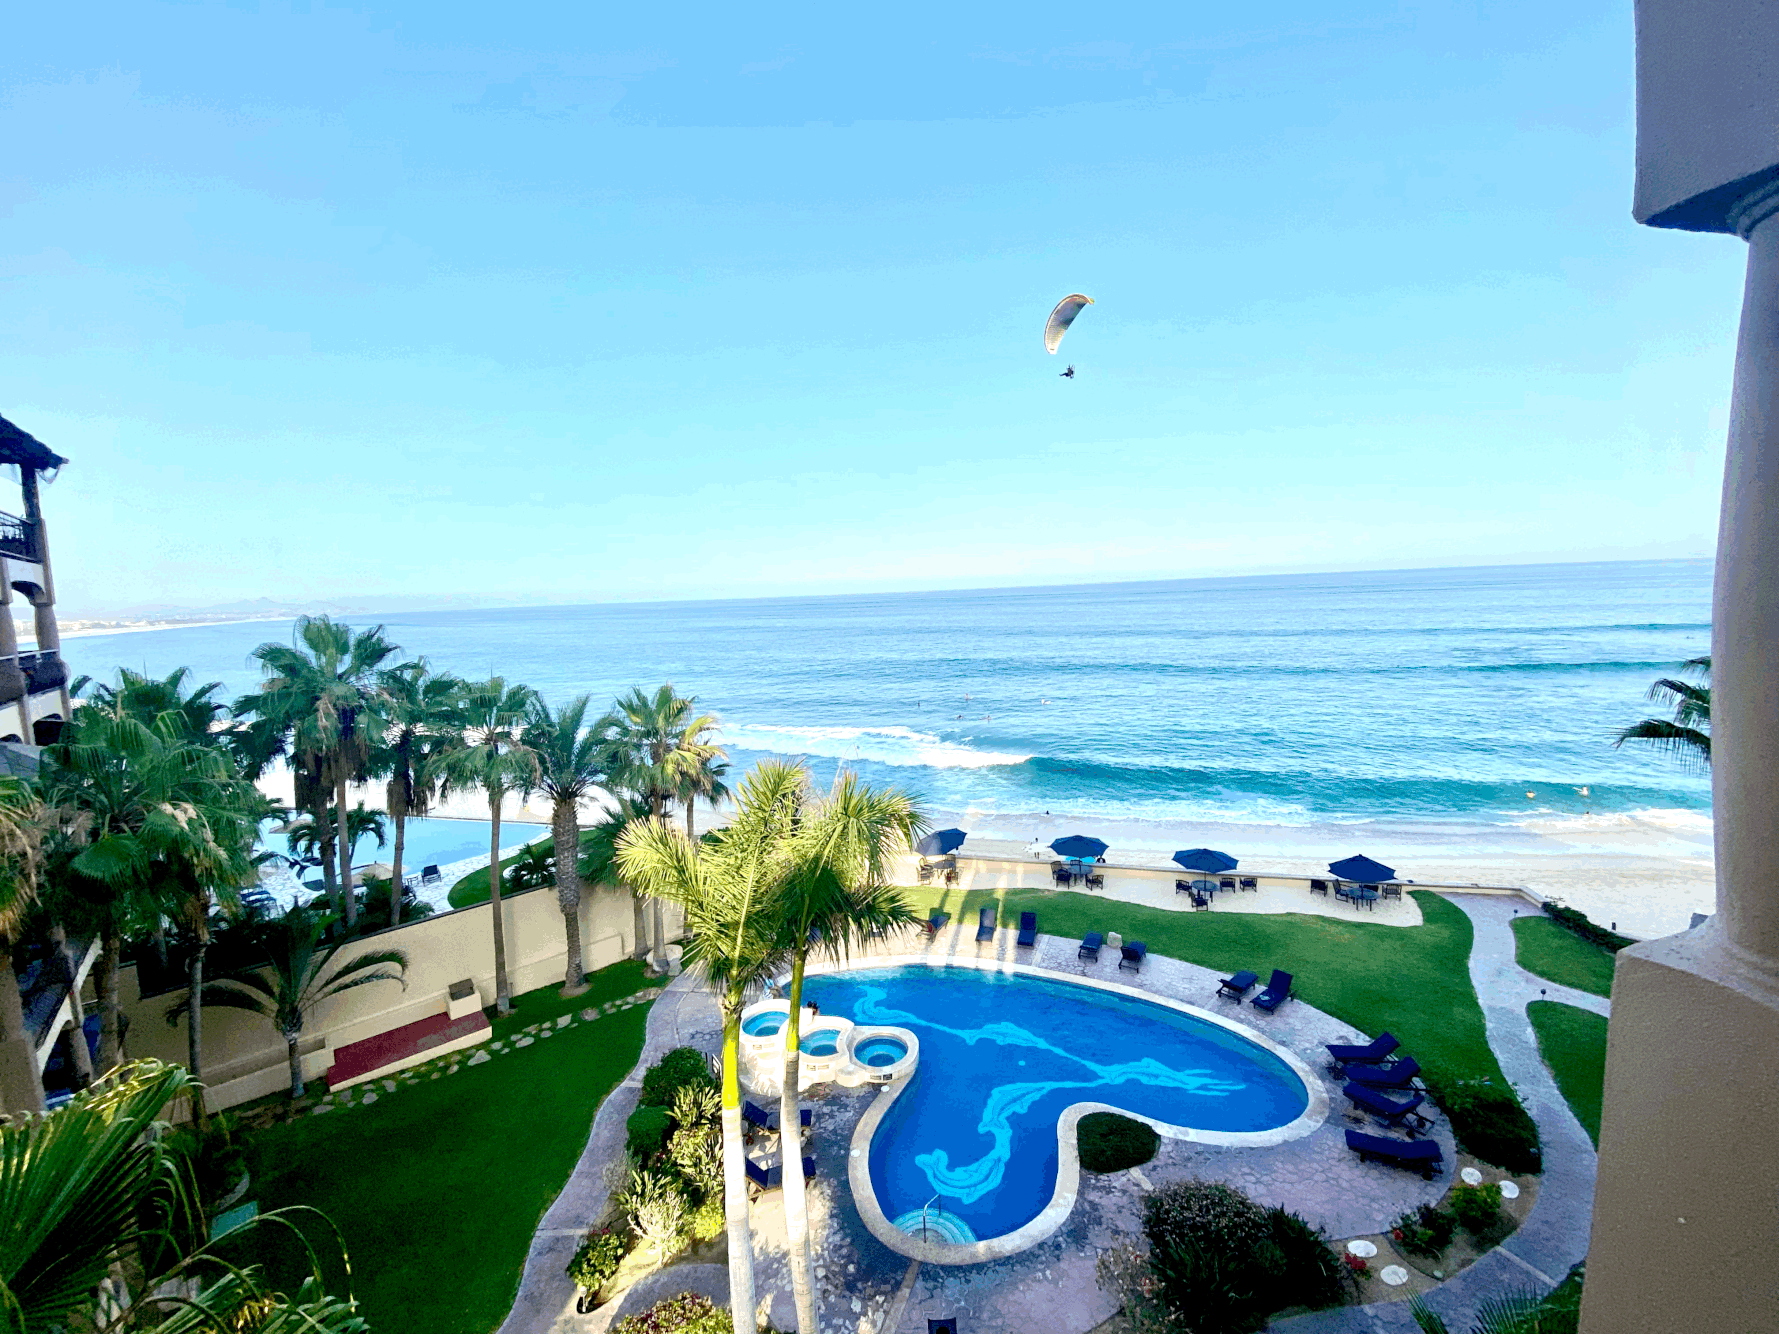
{"points": [[34, 700]]}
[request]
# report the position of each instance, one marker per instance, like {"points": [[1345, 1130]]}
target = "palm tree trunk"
{"points": [[110, 950], [659, 962], [83, 1058], [296, 1064], [23, 1086], [503, 1001], [565, 831], [345, 842], [691, 836], [741, 1241], [395, 884], [641, 937], [194, 1032], [324, 849], [790, 1141]]}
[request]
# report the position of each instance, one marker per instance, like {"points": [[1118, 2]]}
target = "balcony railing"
{"points": [[43, 671], [16, 538]]}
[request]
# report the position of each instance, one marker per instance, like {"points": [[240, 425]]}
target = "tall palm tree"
{"points": [[323, 697], [145, 698], [20, 839], [705, 779], [1688, 733], [415, 729], [571, 766], [296, 980], [489, 717], [308, 841], [837, 895], [729, 890]]}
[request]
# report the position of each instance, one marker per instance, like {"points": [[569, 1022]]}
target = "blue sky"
{"points": [[572, 303]]}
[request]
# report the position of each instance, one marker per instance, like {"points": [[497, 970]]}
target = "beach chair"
{"points": [[1028, 929], [985, 925], [761, 1178], [1375, 1052], [766, 1118], [935, 923], [1090, 946], [1319, 887], [1239, 985], [1387, 1109], [429, 875], [1227, 883], [1133, 955], [1250, 882], [1277, 992], [1418, 1155], [1397, 1076]]}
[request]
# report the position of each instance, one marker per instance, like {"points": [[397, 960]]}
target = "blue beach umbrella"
{"points": [[1362, 869], [1208, 860], [940, 842], [1079, 845]]}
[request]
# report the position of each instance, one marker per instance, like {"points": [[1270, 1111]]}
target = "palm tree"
{"points": [[837, 895], [20, 834], [1688, 733], [309, 842], [415, 728], [489, 717], [704, 780], [298, 979], [729, 891], [322, 698], [93, 1199], [146, 699], [571, 766]]}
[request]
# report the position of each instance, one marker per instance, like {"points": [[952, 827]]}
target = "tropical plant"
{"points": [[20, 838], [297, 977], [322, 702], [1522, 1313], [688, 1313], [309, 841], [194, 715], [100, 1228], [489, 718], [705, 778], [1687, 733], [1477, 1207], [656, 1209], [596, 1260], [837, 894], [571, 766], [683, 1067], [416, 729], [728, 890], [1424, 1231], [532, 868]]}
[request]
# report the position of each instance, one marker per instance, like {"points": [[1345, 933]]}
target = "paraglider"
{"points": [[1069, 374], [1061, 318]]}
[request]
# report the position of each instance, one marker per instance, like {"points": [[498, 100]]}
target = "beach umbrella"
{"points": [[940, 842], [1079, 846], [375, 871], [1208, 860], [1362, 869]]}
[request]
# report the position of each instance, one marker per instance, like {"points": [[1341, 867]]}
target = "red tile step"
{"points": [[357, 1059]]}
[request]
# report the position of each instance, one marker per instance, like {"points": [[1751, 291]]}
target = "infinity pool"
{"points": [[1002, 1056]]}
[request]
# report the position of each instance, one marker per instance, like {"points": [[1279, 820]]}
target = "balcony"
{"points": [[17, 538], [43, 671]]}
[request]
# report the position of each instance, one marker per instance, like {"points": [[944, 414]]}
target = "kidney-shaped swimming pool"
{"points": [[1003, 1055]]}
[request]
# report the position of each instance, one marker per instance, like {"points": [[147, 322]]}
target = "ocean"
{"points": [[1452, 713]]}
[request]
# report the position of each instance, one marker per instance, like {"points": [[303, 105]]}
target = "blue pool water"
{"points": [[819, 1043], [762, 1025], [879, 1052], [1001, 1057]]}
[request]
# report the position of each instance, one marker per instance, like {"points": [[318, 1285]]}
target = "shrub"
{"points": [[646, 1131], [706, 1222], [1424, 1231], [656, 1208], [687, 1313], [597, 1260], [1476, 1207], [1211, 1291], [1110, 1143], [1312, 1274], [1218, 1216], [674, 1071], [1490, 1123], [1580, 924]]}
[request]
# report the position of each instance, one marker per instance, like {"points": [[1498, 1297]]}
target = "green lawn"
{"points": [[1413, 981], [1545, 948], [1573, 1044], [438, 1187]]}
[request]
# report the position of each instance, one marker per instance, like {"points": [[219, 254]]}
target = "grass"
{"points": [[1573, 1044], [1543, 947], [473, 888], [438, 1186], [1413, 981]]}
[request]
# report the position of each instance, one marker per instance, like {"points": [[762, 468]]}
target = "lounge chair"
{"points": [[1028, 929], [766, 1118], [935, 923], [985, 925], [945, 1326], [1397, 1076], [1251, 882], [1134, 954], [1228, 883], [1318, 887], [1277, 992], [429, 875], [1387, 1109], [1418, 1155], [1239, 985], [1090, 946], [1375, 1052], [766, 1178]]}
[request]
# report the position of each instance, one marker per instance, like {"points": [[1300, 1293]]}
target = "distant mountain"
{"points": [[271, 608]]}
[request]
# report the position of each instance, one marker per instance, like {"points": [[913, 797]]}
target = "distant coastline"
{"points": [[78, 629]]}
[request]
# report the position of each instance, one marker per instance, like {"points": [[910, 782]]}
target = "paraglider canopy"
{"points": [[1061, 318]]}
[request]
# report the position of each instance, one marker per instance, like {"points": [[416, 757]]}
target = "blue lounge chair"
{"points": [[935, 922], [1251, 882], [985, 924], [1418, 1155], [1387, 1109], [1028, 929], [1396, 1076], [1133, 955], [1239, 985], [945, 1326], [1277, 992], [764, 1118], [1375, 1052], [1090, 946], [771, 1178]]}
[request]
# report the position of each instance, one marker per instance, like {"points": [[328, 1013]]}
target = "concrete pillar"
{"points": [[1686, 1209], [43, 606]]}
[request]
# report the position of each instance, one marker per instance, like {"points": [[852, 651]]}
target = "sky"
{"points": [[572, 303]]}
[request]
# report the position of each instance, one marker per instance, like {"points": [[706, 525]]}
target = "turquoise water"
{"points": [[1001, 1057], [762, 1025], [1428, 702], [879, 1052]]}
